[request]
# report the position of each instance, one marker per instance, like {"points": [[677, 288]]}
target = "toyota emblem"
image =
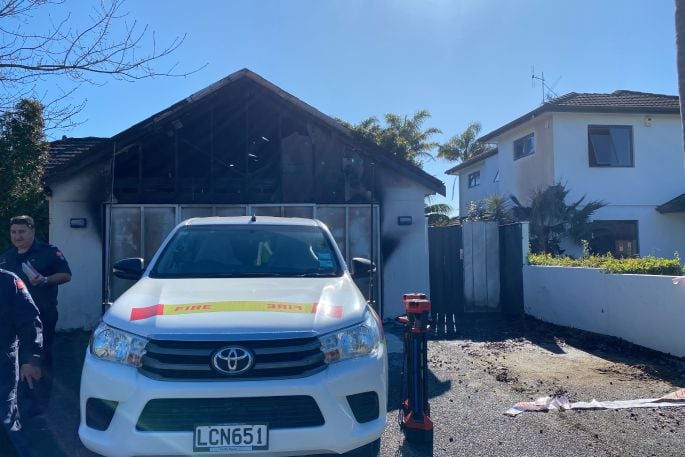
{"points": [[232, 360]]}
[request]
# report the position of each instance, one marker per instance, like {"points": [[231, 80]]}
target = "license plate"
{"points": [[231, 438]]}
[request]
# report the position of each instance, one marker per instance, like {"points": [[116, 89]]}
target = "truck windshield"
{"points": [[217, 251]]}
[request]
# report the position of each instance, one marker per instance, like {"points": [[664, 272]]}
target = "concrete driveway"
{"points": [[490, 363]]}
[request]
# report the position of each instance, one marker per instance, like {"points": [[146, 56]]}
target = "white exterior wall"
{"points": [[642, 309], [80, 301], [404, 247], [523, 176], [659, 171], [516, 177], [631, 193], [488, 170]]}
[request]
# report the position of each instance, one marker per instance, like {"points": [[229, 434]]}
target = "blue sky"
{"points": [[461, 60]]}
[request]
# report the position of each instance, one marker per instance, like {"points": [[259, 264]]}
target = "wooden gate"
{"points": [[446, 267], [513, 244], [481, 266]]}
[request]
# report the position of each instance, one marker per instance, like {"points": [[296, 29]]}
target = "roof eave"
{"points": [[470, 162], [550, 108], [675, 205]]}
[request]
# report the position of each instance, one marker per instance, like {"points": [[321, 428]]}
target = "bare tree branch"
{"points": [[107, 45]]}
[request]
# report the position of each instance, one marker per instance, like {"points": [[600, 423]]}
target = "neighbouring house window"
{"points": [[616, 237], [496, 178], [524, 146], [610, 145], [474, 179]]}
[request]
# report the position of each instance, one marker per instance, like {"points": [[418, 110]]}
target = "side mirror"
{"points": [[362, 268], [129, 268]]}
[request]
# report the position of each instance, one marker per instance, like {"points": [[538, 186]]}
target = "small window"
{"points": [[610, 145], [496, 178], [524, 146], [474, 179], [616, 237]]}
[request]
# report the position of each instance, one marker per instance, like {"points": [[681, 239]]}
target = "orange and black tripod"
{"points": [[415, 409]]}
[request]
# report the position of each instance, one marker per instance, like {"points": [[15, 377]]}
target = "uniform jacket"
{"points": [[47, 260], [19, 322]]}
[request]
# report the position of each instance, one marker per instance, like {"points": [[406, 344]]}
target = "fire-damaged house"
{"points": [[241, 146]]}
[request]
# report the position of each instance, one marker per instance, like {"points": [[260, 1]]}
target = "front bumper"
{"points": [[340, 433]]}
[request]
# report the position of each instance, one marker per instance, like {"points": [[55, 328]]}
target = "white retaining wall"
{"points": [[643, 309]]}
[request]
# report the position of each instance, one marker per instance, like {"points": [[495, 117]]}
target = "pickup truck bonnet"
{"points": [[237, 307]]}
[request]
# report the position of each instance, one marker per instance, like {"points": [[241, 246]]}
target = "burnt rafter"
{"points": [[179, 152], [241, 140], [243, 149]]}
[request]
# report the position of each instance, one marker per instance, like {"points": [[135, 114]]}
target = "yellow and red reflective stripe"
{"points": [[148, 311], [234, 306]]}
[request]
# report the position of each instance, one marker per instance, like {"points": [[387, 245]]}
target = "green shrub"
{"points": [[609, 264]]}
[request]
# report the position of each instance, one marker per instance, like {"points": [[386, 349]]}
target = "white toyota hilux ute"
{"points": [[243, 336]]}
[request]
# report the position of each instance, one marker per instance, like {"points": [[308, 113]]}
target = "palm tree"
{"points": [[438, 214], [552, 219], [680, 48], [465, 146], [493, 208], [496, 208], [402, 136], [405, 137]]}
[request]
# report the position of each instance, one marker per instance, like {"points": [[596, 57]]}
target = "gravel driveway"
{"points": [[490, 363], [495, 362]]}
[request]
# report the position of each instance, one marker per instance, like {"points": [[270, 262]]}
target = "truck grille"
{"points": [[191, 360], [183, 414]]}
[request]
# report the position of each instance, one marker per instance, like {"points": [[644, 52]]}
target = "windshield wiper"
{"points": [[331, 274], [288, 274], [260, 274]]}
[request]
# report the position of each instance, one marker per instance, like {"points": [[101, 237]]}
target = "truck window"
{"points": [[213, 251]]}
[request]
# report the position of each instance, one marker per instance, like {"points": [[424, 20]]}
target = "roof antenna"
{"points": [[254, 217], [544, 87]]}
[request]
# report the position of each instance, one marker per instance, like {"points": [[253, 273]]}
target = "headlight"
{"points": [[361, 340], [115, 345]]}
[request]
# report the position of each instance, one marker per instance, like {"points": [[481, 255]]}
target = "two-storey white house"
{"points": [[624, 148]]}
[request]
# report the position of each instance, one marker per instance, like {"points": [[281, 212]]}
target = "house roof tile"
{"points": [[620, 101], [64, 150]]}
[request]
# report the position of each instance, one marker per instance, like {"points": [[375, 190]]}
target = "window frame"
{"points": [[476, 179], [590, 148], [636, 223], [521, 141]]}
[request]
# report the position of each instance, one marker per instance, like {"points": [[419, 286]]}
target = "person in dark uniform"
{"points": [[42, 267], [20, 349]]}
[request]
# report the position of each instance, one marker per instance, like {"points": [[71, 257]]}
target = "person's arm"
{"points": [[29, 331], [55, 278], [60, 272]]}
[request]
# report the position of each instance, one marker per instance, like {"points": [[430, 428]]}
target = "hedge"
{"points": [[609, 264]]}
